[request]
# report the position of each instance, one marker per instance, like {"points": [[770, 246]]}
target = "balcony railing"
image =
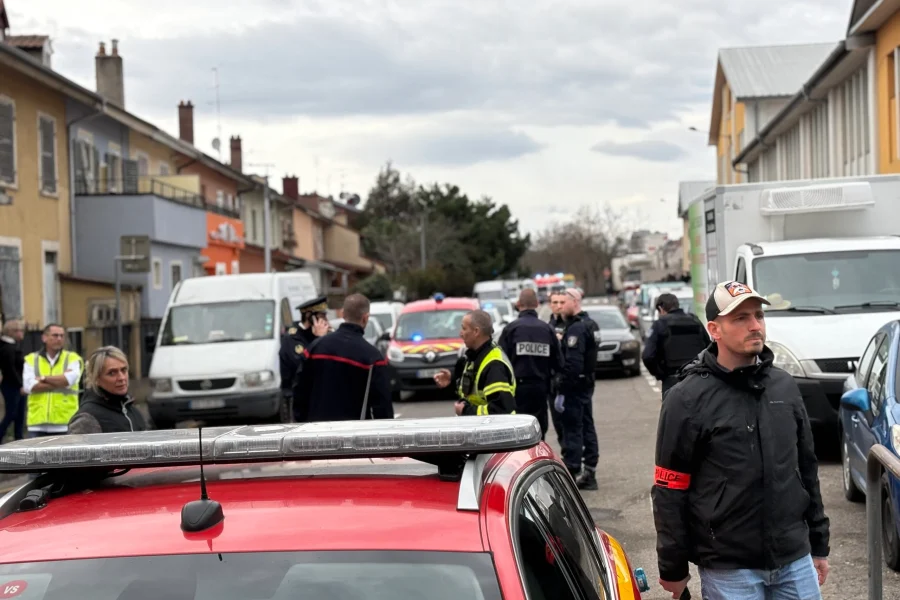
{"points": [[149, 185]]}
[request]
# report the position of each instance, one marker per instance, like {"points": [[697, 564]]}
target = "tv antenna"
{"points": [[202, 514], [217, 143]]}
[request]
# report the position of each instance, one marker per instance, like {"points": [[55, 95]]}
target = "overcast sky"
{"points": [[540, 104]]}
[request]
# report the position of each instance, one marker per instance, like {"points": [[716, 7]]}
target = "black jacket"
{"points": [[501, 402], [330, 383], [675, 339], [737, 483], [295, 340], [106, 413], [533, 348], [580, 357], [12, 362]]}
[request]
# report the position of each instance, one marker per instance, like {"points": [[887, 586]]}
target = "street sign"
{"points": [[135, 253]]}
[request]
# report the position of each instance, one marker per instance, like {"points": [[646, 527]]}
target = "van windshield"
{"points": [[219, 322]]}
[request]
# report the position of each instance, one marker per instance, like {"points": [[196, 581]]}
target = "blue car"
{"points": [[870, 414]]}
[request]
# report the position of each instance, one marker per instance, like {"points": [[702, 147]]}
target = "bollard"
{"points": [[880, 459]]}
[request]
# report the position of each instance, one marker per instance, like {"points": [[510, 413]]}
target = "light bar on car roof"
{"points": [[302, 441]]}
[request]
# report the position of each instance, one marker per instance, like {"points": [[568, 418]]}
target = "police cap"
{"points": [[316, 305]]}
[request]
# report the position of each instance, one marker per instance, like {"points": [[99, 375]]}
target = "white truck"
{"points": [[827, 255]]}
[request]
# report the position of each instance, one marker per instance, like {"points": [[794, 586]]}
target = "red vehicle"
{"points": [[425, 341], [437, 509]]}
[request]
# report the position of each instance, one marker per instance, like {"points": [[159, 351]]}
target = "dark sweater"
{"points": [[12, 362]]}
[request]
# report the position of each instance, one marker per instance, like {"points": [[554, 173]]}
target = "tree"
{"points": [[583, 246], [375, 287], [465, 241]]}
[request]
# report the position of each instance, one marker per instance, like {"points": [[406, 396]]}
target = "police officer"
{"points": [[341, 376], [575, 394], [675, 339], [533, 349], [312, 325], [484, 379], [557, 321]]}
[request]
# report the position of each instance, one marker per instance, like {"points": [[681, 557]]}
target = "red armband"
{"points": [[672, 479]]}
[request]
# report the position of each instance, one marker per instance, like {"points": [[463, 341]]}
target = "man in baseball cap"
{"points": [[714, 489]]}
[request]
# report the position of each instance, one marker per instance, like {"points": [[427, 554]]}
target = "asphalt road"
{"points": [[626, 412]]}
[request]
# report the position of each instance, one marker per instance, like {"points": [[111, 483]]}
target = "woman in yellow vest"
{"points": [[51, 379], [485, 380]]}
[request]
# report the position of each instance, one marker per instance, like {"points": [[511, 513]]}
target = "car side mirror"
{"points": [[857, 399], [633, 325]]}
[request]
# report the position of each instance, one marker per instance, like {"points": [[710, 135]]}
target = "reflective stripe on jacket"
{"points": [[477, 397], [56, 407]]}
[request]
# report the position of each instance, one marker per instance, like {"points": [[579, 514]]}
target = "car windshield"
{"points": [[430, 325], [828, 281], [260, 576], [220, 322], [502, 307], [386, 320], [608, 319]]}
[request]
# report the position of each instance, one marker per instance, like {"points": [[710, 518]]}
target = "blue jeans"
{"points": [[796, 581]]}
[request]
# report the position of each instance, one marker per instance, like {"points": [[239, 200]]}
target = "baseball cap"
{"points": [[727, 296]]}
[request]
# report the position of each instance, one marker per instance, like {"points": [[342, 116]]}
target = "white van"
{"points": [[386, 313], [216, 355]]}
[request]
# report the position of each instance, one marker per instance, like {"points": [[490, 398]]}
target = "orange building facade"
{"points": [[224, 243]]}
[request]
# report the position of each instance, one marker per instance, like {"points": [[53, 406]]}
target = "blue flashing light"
{"points": [[487, 305], [438, 297], [417, 337]]}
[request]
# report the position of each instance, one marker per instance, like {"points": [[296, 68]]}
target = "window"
{"points": [[114, 168], [319, 242], [7, 141], [740, 274], [164, 168], [220, 198], [175, 272], [47, 151], [552, 528], [235, 267], [143, 162], [87, 164], [254, 232], [221, 268], [51, 289], [862, 368], [229, 201], [214, 322], [156, 270], [11, 300], [875, 384]]}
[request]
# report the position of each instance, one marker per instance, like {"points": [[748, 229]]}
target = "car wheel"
{"points": [[890, 541], [851, 492]]}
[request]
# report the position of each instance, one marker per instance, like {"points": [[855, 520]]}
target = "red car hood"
{"points": [[421, 347]]}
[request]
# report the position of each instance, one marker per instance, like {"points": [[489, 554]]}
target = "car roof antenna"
{"points": [[202, 514]]}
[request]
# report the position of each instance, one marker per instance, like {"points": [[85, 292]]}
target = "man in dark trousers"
{"points": [[736, 485], [341, 376], [675, 339], [532, 347], [484, 380], [299, 336], [576, 394], [12, 364]]}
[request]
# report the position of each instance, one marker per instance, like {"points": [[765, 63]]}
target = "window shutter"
{"points": [[130, 176], [48, 156], [7, 143]]}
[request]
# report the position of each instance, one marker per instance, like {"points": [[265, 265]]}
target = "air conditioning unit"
{"points": [[816, 198]]}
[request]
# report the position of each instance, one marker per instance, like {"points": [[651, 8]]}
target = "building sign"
{"points": [[224, 231]]}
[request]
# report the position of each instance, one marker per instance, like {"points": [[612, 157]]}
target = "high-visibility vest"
{"points": [[478, 397], [56, 407]]}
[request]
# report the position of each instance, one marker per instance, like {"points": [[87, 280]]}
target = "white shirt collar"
{"points": [[7, 339]]}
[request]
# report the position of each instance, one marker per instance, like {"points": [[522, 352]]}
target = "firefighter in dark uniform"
{"points": [[341, 376], [575, 395], [533, 348], [312, 325], [484, 379], [675, 339]]}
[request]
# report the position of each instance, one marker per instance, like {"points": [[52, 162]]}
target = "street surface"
{"points": [[626, 412]]}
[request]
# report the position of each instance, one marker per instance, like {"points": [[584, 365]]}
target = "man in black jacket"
{"points": [[341, 376], [12, 363], [675, 339], [737, 486], [533, 349]]}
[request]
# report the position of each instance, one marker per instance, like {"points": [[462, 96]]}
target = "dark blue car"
{"points": [[870, 414]]}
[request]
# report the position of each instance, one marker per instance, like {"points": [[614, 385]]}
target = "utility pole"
{"points": [[218, 114], [267, 217], [423, 218]]}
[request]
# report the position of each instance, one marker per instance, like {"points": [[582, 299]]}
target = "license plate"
{"points": [[427, 373], [604, 356], [207, 404]]}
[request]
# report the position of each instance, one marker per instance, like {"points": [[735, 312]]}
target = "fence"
{"points": [[880, 459], [151, 185]]}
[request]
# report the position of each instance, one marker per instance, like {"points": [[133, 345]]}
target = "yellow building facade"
{"points": [[34, 202]]}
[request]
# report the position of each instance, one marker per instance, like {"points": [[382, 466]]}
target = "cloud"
{"points": [[652, 150]]}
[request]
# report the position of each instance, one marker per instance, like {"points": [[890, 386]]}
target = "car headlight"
{"points": [[895, 437], [258, 378], [162, 386], [785, 360], [395, 354], [632, 345]]}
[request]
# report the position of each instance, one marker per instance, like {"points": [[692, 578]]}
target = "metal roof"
{"points": [[771, 71], [688, 191]]}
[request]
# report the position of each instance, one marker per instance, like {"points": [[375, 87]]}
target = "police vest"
{"points": [[684, 340], [56, 407], [469, 384]]}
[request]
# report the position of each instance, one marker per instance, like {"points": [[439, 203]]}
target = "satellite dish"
{"points": [[216, 144]]}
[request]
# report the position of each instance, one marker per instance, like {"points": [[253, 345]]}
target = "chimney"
{"points": [[110, 74], [291, 187], [236, 154], [186, 121]]}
